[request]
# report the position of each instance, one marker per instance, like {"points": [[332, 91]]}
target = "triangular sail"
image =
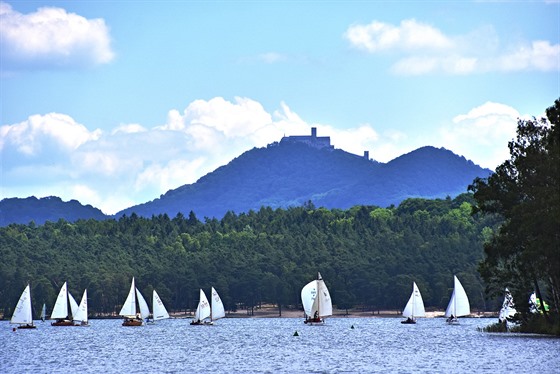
{"points": [[129, 307], [324, 298], [22, 312], [159, 309], [459, 304], [44, 313], [218, 310], [203, 309], [73, 304], [415, 306], [60, 310], [308, 297], [144, 309], [82, 312]]}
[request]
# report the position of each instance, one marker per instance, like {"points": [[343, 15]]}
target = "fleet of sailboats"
{"points": [[414, 307], [207, 313], [316, 301], [315, 297], [458, 304], [23, 315]]}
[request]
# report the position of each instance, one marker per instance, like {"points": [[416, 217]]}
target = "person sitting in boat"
{"points": [[451, 318], [409, 320]]}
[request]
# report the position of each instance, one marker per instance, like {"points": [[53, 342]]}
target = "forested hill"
{"points": [[16, 210], [368, 256], [291, 174]]}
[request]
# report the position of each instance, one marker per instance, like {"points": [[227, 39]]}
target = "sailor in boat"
{"points": [[451, 318], [315, 318]]}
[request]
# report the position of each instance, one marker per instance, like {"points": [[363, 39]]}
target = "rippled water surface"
{"points": [[269, 345]]}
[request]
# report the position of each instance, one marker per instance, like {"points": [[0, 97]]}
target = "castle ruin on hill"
{"points": [[312, 140]]}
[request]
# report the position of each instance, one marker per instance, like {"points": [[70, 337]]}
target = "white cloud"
{"points": [[51, 37], [409, 35], [482, 134], [30, 137], [422, 49], [272, 57]]}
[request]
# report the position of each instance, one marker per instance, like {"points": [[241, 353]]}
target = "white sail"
{"points": [[415, 306], [73, 303], [508, 307], [144, 309], [129, 307], [44, 313], [22, 312], [159, 309], [203, 309], [324, 298], [218, 310], [81, 314], [60, 310], [459, 304], [308, 297]]}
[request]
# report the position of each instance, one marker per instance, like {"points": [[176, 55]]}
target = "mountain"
{"points": [[16, 210], [292, 173]]}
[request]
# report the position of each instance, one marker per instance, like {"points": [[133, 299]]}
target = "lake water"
{"points": [[267, 345]]}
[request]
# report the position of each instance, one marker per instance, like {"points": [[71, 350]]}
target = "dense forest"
{"points": [[369, 256]]}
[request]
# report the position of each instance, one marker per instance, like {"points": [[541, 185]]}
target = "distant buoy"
{"points": [[296, 334], [14, 329], [352, 327]]}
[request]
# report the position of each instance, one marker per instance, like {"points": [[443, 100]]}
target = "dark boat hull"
{"points": [[132, 322]]}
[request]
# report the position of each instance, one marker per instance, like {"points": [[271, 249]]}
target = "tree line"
{"points": [[369, 256]]}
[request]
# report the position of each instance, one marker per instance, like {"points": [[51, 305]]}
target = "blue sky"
{"points": [[114, 103]]}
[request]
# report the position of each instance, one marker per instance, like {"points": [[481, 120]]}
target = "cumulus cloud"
{"points": [[51, 37], [482, 134], [422, 49]]}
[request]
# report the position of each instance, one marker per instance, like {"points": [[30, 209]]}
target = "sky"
{"points": [[113, 103]]}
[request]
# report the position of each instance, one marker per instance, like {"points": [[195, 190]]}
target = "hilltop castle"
{"points": [[312, 140]]}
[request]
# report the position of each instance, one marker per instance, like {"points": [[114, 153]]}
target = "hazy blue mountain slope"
{"points": [[16, 210], [283, 175]]}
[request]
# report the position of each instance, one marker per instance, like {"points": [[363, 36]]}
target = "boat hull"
{"points": [[314, 321], [28, 326], [408, 322], [202, 323], [132, 322], [64, 322]]}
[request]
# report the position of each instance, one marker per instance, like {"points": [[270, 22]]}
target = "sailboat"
{"points": [[22, 313], [44, 313], [204, 310], [508, 307], [81, 315], [64, 308], [459, 304], [415, 306], [159, 311], [135, 309], [316, 301]]}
